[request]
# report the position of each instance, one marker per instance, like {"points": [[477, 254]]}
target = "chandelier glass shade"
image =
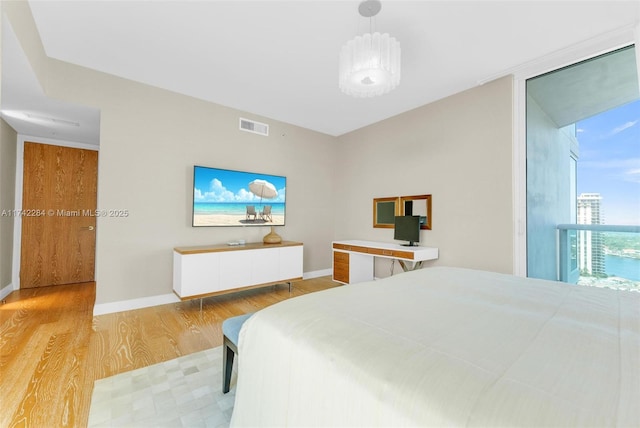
{"points": [[369, 65]]}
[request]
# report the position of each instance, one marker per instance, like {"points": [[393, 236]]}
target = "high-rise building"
{"points": [[590, 243]]}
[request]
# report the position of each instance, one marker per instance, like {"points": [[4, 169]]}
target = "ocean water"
{"points": [[624, 267], [236, 208]]}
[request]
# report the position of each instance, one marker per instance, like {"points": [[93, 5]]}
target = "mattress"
{"points": [[443, 347]]}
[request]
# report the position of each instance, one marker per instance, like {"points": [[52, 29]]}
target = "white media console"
{"points": [[204, 271]]}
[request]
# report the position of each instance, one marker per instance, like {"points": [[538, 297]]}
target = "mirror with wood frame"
{"points": [[385, 211], [417, 205]]}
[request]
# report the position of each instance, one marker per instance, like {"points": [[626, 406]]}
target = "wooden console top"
{"points": [[226, 247]]}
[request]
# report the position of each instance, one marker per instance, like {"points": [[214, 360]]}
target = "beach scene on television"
{"points": [[224, 197]]}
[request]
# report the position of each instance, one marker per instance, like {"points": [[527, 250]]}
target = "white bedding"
{"points": [[443, 347]]}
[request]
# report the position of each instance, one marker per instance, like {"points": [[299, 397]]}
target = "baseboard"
{"points": [[4, 292], [317, 273], [128, 305], [164, 299]]}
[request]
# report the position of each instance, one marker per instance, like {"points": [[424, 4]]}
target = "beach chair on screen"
{"points": [[251, 211], [265, 214]]}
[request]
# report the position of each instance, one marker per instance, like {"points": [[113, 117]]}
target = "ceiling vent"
{"points": [[254, 127]]}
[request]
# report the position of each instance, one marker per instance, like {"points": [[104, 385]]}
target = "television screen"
{"points": [[407, 228], [223, 197]]}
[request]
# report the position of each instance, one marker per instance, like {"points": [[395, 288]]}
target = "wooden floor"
{"points": [[52, 348]]}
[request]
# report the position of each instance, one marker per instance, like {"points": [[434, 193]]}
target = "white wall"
{"points": [[8, 142], [459, 150]]}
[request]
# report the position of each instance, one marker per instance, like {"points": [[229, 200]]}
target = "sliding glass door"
{"points": [[582, 146]]}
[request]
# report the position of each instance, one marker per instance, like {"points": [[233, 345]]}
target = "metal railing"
{"points": [[581, 250]]}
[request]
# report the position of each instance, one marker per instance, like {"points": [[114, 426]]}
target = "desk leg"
{"points": [[406, 268]]}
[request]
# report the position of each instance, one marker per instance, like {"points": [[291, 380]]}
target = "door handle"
{"points": [[87, 228]]}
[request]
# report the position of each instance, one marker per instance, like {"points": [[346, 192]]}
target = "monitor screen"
{"points": [[223, 197], [407, 228]]}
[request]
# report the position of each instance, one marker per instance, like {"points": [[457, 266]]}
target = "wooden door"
{"points": [[58, 215]]}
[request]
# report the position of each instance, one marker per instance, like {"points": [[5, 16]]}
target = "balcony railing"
{"points": [[599, 255]]}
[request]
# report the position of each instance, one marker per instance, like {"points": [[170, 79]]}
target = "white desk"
{"points": [[353, 260]]}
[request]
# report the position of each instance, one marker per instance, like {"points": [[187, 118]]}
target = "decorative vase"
{"points": [[272, 237]]}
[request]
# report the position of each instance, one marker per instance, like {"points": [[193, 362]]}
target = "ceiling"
{"points": [[588, 88], [279, 59]]}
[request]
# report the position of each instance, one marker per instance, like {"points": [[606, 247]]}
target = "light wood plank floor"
{"points": [[52, 348]]}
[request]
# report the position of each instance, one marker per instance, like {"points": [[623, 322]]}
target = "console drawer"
{"points": [[391, 253], [339, 256], [341, 272]]}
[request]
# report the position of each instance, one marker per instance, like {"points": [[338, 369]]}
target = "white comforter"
{"points": [[443, 347]]}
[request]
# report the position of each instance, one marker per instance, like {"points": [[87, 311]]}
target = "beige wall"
{"points": [[8, 142], [458, 149], [149, 141]]}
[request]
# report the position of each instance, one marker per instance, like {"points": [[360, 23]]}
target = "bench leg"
{"points": [[227, 364]]}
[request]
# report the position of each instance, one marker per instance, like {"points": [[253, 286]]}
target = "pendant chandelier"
{"points": [[369, 64]]}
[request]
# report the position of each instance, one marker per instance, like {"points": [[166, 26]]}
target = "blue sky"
{"points": [[221, 185], [609, 162]]}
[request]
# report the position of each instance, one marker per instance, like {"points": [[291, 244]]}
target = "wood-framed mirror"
{"points": [[385, 211], [417, 205]]}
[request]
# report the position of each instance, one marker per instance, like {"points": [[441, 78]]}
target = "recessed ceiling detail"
{"points": [[279, 59]]}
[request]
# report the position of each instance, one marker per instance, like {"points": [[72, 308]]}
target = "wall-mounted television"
{"points": [[407, 228], [224, 197]]}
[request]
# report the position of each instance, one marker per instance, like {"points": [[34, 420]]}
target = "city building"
{"points": [[590, 243]]}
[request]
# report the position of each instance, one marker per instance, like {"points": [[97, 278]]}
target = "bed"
{"points": [[443, 347]]}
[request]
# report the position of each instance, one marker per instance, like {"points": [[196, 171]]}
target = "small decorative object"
{"points": [[272, 237]]}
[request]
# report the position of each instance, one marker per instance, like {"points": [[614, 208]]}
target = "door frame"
{"points": [[17, 225], [616, 39]]}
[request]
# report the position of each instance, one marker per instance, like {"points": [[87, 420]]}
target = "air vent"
{"points": [[253, 126]]}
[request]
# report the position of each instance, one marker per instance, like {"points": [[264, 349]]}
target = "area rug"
{"points": [[184, 392]]}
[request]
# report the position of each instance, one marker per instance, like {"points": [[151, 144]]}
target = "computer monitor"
{"points": [[407, 228]]}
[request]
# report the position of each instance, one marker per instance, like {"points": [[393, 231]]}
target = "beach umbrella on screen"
{"points": [[263, 188]]}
